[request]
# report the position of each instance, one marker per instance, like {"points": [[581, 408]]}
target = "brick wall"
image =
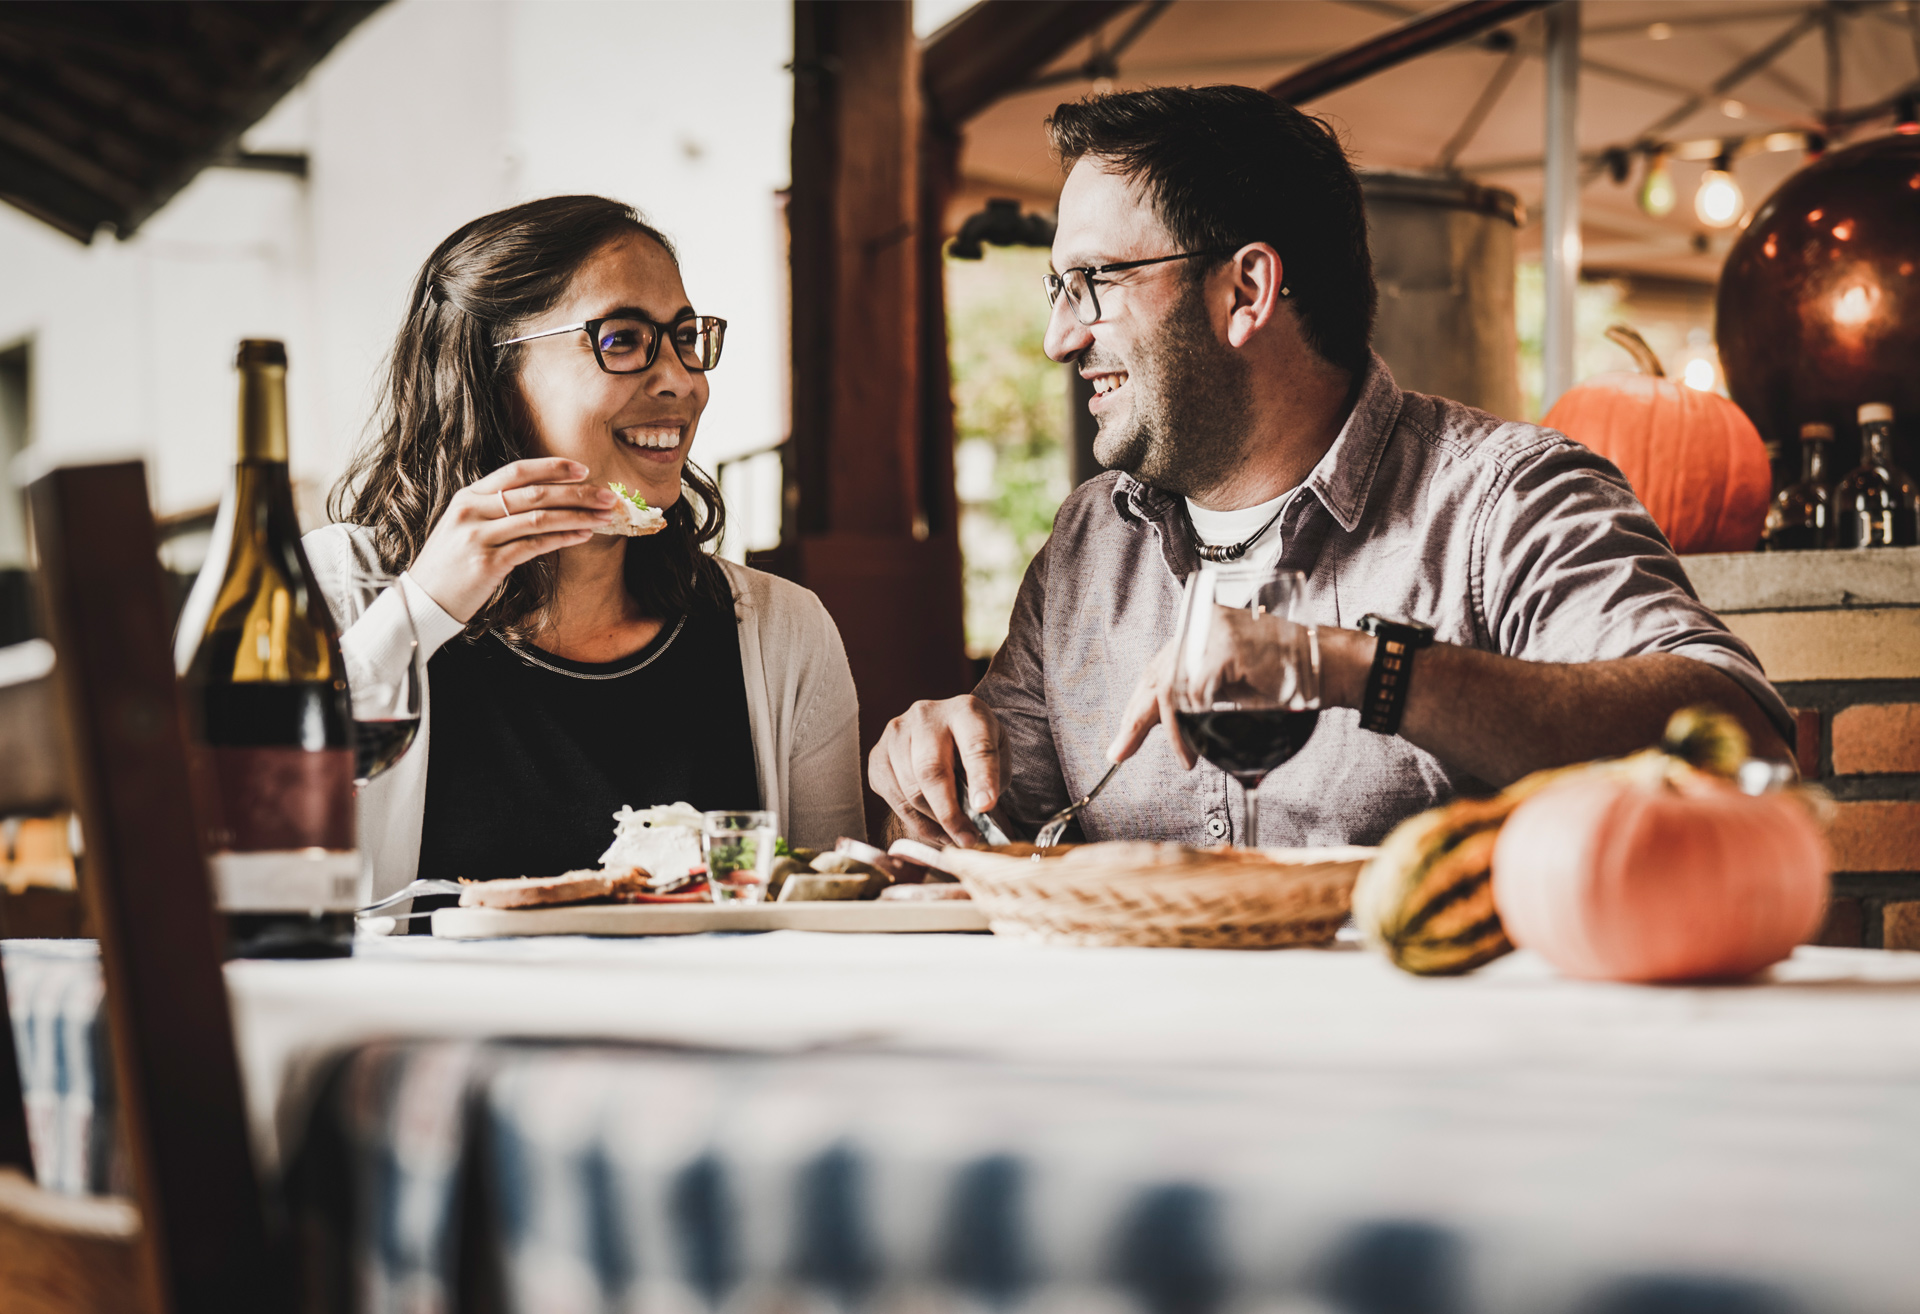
{"points": [[1860, 739], [1839, 634]]}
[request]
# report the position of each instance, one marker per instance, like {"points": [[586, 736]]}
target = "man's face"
{"points": [[1171, 399]]}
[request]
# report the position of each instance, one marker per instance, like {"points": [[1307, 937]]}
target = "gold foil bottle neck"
{"points": [[262, 363]]}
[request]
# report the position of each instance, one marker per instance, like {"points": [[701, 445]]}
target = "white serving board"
{"points": [[945, 915]]}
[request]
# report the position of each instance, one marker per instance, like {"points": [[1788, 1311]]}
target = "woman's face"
{"points": [[631, 429]]}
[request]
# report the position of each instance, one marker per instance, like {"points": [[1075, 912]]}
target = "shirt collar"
{"points": [[1344, 476], [1341, 480]]}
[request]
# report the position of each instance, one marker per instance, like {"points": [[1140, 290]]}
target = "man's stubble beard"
{"points": [[1191, 417]]}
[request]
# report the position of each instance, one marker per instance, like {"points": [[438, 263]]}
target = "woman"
{"points": [[551, 351]]}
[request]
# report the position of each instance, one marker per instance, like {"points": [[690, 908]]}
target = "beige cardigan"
{"points": [[800, 703]]}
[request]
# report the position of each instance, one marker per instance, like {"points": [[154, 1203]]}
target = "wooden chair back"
{"points": [[199, 1243]]}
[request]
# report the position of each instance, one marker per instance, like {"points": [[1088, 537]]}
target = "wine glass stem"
{"points": [[1253, 813]]}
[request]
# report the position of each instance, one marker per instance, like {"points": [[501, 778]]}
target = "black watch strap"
{"points": [[1396, 641]]}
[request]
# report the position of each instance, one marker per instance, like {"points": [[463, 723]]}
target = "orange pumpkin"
{"points": [[1676, 878], [1693, 458]]}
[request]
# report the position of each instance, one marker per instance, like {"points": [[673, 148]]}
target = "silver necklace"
{"points": [[1233, 551], [642, 664]]}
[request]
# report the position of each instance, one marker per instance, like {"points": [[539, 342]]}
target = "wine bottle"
{"points": [[1801, 517], [1876, 504], [268, 706]]}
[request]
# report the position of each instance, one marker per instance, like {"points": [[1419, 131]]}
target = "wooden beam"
{"points": [[992, 48], [52, 196], [1408, 41], [853, 215], [875, 537], [323, 26]]}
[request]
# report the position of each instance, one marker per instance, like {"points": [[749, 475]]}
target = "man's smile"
{"points": [[1105, 384]]}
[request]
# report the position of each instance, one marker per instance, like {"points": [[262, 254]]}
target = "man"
{"points": [[1213, 282]]}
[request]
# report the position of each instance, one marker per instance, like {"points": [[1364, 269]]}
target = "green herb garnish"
{"points": [[632, 497]]}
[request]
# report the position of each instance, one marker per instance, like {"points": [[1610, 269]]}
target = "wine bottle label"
{"points": [[300, 880], [273, 799]]}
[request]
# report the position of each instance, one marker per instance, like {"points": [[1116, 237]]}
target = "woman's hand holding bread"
{"points": [[520, 511]]}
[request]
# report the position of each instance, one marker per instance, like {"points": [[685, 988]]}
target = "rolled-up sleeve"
{"points": [[1572, 568]]}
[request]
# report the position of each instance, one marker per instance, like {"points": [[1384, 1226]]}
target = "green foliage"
{"points": [[1010, 418], [1595, 305]]}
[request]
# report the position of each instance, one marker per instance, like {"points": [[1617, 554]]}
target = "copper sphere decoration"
{"points": [[1819, 305]]}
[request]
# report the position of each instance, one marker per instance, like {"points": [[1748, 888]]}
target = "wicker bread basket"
{"points": [[1133, 893]]}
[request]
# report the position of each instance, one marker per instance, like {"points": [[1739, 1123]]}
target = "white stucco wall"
{"points": [[430, 113]]}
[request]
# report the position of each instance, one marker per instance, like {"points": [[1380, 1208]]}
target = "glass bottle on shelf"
{"points": [[1875, 505], [1801, 517]]}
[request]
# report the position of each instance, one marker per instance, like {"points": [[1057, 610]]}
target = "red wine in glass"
{"points": [[385, 679], [1246, 743], [378, 744]]}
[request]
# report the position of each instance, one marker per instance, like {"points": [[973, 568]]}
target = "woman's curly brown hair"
{"points": [[451, 412]]}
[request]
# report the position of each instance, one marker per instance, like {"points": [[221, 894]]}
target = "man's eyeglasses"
{"points": [[627, 344], [1078, 284]]}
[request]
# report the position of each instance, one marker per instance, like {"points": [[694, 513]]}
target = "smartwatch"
{"points": [[1396, 641]]}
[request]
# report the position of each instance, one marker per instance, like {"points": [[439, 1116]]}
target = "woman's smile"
{"points": [[663, 439], [633, 428]]}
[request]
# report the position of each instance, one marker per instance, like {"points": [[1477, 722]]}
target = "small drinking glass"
{"points": [[384, 679], [739, 852]]}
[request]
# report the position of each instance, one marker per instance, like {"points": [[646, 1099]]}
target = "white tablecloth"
{"points": [[1563, 1140]]}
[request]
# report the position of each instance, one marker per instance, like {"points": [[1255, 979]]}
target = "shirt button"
{"points": [[1217, 827]]}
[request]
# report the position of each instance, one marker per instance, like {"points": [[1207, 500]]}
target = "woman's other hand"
{"points": [[520, 511]]}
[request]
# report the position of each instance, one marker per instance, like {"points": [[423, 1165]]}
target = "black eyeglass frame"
{"points": [[591, 328], [1057, 283]]}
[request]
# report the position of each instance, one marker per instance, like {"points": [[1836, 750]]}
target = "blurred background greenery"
{"points": [[1011, 455]]}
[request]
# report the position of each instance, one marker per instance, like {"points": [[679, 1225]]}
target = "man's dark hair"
{"points": [[1225, 166]]}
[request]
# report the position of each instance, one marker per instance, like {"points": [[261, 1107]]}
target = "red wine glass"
{"points": [[1246, 682], [384, 677]]}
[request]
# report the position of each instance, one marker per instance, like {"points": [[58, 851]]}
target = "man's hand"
{"points": [[1244, 653], [1151, 704], [912, 767]]}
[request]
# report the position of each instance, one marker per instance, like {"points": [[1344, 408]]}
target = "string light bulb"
{"points": [[1657, 194], [1719, 202]]}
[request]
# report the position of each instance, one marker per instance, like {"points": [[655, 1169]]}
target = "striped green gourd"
{"points": [[1426, 898]]}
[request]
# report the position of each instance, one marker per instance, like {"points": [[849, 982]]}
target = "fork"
{"points": [[417, 887], [1057, 824]]}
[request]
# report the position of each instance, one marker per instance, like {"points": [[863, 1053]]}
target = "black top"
{"points": [[532, 754]]}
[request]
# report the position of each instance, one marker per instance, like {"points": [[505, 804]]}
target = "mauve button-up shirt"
{"points": [[1503, 536]]}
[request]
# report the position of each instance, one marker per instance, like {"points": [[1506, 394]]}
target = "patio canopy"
{"points": [[107, 110], [1750, 76]]}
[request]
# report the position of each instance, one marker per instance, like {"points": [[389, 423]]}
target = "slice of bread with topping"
{"points": [[640, 520], [546, 891]]}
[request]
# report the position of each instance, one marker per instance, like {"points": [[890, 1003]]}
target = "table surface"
{"points": [[1763, 1128], [1839, 1013]]}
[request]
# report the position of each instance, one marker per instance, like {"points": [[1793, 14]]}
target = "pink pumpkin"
{"points": [[1621, 880]]}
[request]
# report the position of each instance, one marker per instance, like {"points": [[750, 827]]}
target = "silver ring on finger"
{"points": [[505, 510]]}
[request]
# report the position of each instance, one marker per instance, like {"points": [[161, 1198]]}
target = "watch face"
{"points": [[1374, 624]]}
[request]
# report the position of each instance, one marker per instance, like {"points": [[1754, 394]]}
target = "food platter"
{"points": [[885, 917]]}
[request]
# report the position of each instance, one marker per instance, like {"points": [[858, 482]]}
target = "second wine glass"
{"points": [[384, 676], [1246, 681]]}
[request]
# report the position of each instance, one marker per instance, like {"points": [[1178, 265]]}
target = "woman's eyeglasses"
{"points": [[628, 344]]}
